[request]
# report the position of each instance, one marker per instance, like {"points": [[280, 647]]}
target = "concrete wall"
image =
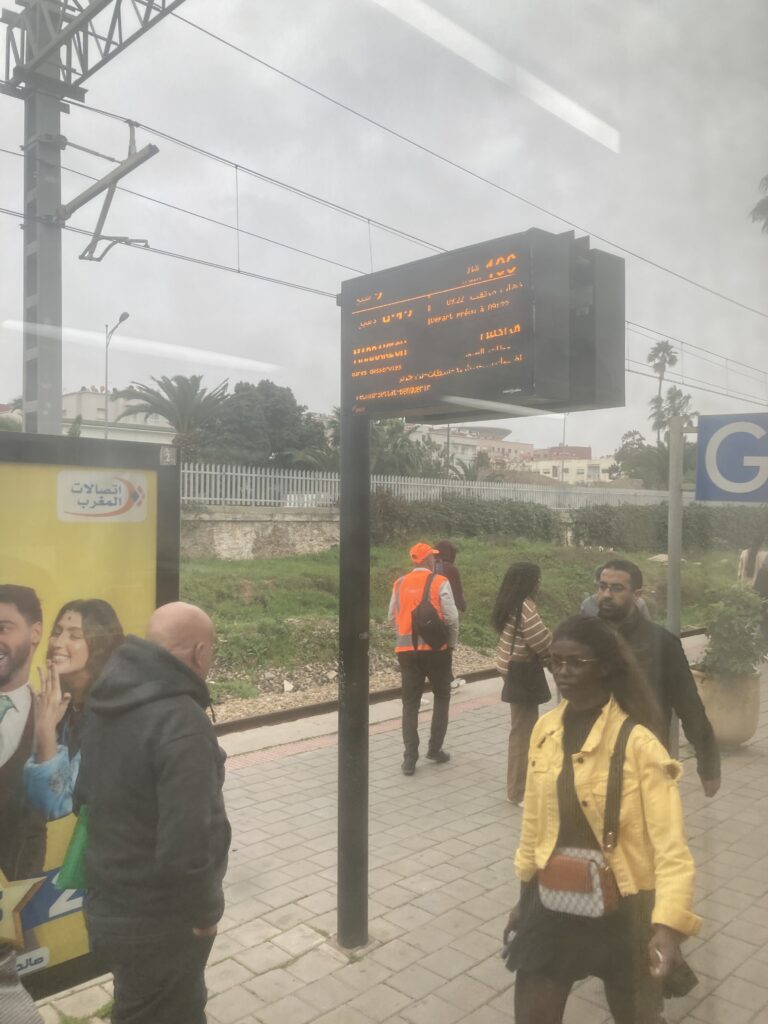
{"points": [[242, 533]]}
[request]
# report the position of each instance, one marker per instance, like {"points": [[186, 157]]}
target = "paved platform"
{"points": [[441, 884]]}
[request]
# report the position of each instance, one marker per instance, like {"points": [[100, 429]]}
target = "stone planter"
{"points": [[732, 706]]}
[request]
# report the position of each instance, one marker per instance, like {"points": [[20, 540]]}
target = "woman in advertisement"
{"points": [[85, 634]]}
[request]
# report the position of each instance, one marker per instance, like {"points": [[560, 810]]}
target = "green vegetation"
{"points": [[281, 613]]}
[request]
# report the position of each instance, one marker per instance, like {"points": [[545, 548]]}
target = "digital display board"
{"points": [[493, 321]]}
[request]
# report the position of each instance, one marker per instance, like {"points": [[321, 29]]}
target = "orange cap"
{"points": [[421, 550]]}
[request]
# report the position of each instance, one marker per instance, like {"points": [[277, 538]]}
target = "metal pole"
{"points": [[108, 337], [675, 523], [106, 381], [41, 402], [675, 546], [354, 601]]}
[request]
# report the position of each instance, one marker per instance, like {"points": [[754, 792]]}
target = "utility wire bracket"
{"points": [[108, 184]]}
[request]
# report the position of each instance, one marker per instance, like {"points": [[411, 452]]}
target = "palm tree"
{"points": [[322, 457], [674, 403], [760, 211], [661, 357], [181, 401]]}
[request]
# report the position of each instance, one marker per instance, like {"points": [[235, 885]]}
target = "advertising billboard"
{"points": [[89, 545]]}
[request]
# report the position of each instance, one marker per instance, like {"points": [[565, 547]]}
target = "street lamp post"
{"points": [[108, 337]]}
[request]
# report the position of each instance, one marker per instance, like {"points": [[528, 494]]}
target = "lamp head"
{"points": [[123, 317]]}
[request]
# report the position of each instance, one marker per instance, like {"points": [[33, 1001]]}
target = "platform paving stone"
{"points": [[441, 883]]}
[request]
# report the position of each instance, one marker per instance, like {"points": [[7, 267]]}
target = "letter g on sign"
{"points": [[758, 462]]}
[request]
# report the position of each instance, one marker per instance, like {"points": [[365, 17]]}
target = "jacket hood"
{"points": [[140, 672], [447, 549]]}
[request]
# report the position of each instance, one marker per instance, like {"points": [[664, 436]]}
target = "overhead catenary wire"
{"points": [[142, 247], [465, 170], [330, 295], [205, 217], [391, 131]]}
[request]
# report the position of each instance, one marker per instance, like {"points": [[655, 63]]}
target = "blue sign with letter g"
{"points": [[732, 458]]}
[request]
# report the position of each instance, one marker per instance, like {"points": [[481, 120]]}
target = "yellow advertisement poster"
{"points": [[78, 565]]}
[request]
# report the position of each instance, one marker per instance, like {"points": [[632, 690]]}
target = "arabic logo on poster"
{"points": [[101, 495]]}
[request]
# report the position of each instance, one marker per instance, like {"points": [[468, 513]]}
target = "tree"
{"points": [[650, 462], [674, 403], [238, 433], [75, 427], [760, 210], [661, 357], [10, 423], [182, 402], [289, 426], [324, 457]]}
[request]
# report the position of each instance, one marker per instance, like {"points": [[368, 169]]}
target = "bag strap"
{"points": [[424, 597], [615, 783]]}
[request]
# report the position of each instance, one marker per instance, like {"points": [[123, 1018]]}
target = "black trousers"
{"points": [[159, 978], [415, 668]]}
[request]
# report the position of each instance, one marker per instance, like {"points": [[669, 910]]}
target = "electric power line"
{"points": [[465, 170], [698, 387], [202, 216], [330, 295], [141, 247], [690, 344]]}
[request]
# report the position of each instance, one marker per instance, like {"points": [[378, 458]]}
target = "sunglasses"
{"points": [[570, 661]]}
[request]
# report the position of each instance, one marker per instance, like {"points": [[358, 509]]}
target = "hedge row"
{"points": [[644, 527], [623, 527], [392, 518]]}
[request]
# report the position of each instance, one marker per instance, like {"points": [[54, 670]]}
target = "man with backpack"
{"points": [[426, 623]]}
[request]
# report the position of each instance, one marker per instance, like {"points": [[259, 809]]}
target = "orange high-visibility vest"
{"points": [[408, 591]]}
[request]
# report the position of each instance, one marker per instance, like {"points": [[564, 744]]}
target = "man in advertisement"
{"points": [[22, 830], [151, 775]]}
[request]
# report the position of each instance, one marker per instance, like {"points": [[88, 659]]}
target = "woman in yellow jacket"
{"points": [[637, 946]]}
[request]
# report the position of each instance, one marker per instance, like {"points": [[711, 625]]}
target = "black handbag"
{"points": [[525, 683]]}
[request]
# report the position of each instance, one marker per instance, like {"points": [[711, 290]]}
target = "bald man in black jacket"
{"points": [[158, 836]]}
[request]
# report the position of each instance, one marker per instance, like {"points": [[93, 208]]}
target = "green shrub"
{"points": [[644, 527], [736, 643], [394, 519]]}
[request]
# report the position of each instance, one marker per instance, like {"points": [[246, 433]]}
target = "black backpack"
{"points": [[426, 622]]}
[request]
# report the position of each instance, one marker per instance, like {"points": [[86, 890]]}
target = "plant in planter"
{"points": [[728, 676]]}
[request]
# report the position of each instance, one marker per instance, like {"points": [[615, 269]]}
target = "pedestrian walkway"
{"points": [[441, 884]]}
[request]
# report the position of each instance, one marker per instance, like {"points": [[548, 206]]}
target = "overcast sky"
{"points": [[640, 121]]}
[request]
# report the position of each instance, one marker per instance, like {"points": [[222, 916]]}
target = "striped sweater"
{"points": [[533, 638]]}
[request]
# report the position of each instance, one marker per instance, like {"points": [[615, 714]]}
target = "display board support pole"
{"points": [[675, 545], [354, 601]]}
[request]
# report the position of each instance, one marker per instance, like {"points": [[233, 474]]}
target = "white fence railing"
{"points": [[303, 488]]}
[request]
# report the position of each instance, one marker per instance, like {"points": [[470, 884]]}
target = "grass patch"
{"points": [[281, 613]]}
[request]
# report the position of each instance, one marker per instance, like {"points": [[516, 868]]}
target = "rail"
{"points": [[376, 697]]}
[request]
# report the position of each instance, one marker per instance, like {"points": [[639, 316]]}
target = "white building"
{"points": [[88, 403], [466, 442], [573, 471]]}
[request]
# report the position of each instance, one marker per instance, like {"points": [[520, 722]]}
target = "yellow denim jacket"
{"points": [[652, 851]]}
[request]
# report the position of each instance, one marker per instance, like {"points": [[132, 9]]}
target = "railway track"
{"points": [[329, 706]]}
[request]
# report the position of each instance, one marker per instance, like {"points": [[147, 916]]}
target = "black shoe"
{"points": [[408, 767], [439, 756]]}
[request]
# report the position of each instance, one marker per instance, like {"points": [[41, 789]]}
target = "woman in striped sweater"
{"points": [[523, 649]]}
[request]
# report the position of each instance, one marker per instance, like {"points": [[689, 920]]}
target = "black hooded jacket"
{"points": [[152, 774]]}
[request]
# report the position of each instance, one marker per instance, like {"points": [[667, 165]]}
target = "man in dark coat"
{"points": [[662, 659], [158, 836]]}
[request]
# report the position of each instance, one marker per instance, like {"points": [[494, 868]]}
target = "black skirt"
{"points": [[566, 948]]}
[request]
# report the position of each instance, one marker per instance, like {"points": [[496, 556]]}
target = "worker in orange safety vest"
{"points": [[417, 659]]}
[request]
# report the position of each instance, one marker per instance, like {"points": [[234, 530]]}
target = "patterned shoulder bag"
{"points": [[580, 881]]}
